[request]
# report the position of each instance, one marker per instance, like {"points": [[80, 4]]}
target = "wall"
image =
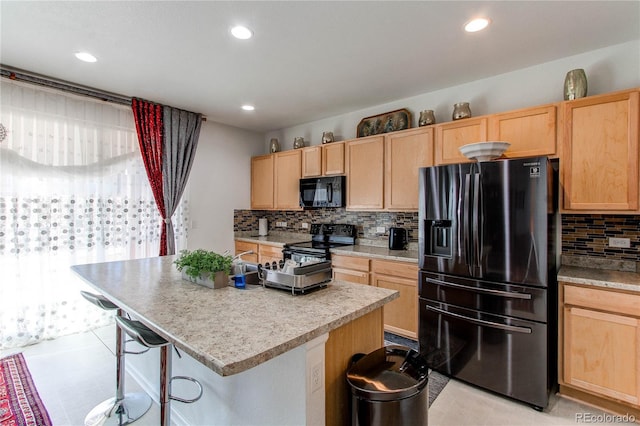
{"points": [[609, 69], [219, 182]]}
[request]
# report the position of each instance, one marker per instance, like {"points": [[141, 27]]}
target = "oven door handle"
{"points": [[510, 294], [525, 330]]}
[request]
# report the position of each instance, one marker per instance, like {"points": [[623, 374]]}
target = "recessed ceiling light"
{"points": [[476, 25], [86, 57], [248, 107], [241, 32]]}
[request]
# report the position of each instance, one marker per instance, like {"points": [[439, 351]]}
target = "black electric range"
{"points": [[324, 237]]}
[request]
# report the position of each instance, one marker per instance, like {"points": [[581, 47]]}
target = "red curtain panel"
{"points": [[149, 126]]}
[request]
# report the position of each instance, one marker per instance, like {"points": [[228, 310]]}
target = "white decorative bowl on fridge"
{"points": [[484, 151]]}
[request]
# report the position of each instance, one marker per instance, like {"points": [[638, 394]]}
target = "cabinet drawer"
{"points": [[350, 262], [350, 275], [271, 251], [242, 246], [396, 269], [605, 300]]}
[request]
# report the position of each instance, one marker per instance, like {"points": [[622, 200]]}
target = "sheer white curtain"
{"points": [[73, 190]]}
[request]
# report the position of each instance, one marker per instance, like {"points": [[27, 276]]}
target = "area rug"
{"points": [[437, 381], [20, 404]]}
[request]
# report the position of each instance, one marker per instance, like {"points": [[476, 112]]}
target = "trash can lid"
{"points": [[390, 373]]}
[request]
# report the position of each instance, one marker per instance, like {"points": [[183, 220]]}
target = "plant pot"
{"points": [[220, 279]]}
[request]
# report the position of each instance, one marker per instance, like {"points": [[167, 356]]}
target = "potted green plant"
{"points": [[204, 267]]}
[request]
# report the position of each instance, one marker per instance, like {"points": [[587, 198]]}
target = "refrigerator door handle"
{"points": [[465, 213], [477, 244], [509, 294], [491, 324]]}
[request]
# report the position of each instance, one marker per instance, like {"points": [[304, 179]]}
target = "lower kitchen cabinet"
{"points": [[600, 347], [262, 252], [401, 315], [354, 269], [243, 246]]}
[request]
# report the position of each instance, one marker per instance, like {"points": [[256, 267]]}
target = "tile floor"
{"points": [[74, 373]]}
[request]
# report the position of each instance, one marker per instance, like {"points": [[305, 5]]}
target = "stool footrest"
{"points": [[187, 401]]}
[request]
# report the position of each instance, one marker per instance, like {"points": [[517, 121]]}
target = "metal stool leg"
{"points": [[124, 408]]}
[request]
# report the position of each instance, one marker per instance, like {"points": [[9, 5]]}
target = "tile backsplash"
{"points": [[588, 235], [582, 235], [366, 222]]}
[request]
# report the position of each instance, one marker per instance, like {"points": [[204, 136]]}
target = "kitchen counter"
{"points": [[227, 330], [410, 256], [372, 251], [629, 281]]}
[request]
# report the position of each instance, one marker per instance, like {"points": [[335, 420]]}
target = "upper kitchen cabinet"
{"points": [[531, 131], [452, 135], [323, 160], [288, 171], [364, 159], [312, 161], [600, 153], [262, 182], [405, 153], [333, 158]]}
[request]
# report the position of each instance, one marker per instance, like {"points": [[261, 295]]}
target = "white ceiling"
{"points": [[308, 60]]}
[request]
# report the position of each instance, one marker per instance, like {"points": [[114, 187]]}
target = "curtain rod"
{"points": [[19, 75]]}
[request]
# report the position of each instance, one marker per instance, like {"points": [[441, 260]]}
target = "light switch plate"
{"points": [[380, 230], [619, 242]]}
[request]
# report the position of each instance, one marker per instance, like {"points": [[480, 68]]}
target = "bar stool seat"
{"points": [[147, 337], [123, 408]]}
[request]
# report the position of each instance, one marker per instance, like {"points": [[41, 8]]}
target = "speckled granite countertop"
{"points": [[378, 252], [629, 281], [372, 251], [228, 330]]}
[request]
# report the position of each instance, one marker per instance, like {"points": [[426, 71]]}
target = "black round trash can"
{"points": [[389, 387]]}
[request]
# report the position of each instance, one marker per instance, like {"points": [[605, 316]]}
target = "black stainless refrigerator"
{"points": [[487, 291]]}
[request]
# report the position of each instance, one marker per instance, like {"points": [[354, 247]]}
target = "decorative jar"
{"points": [[461, 110], [426, 118], [298, 143], [575, 84], [274, 145]]}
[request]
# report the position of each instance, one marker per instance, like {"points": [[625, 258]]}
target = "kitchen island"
{"points": [[263, 355]]}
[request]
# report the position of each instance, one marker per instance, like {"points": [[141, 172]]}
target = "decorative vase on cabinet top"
{"points": [[575, 85], [461, 110], [298, 143], [426, 118], [274, 145]]}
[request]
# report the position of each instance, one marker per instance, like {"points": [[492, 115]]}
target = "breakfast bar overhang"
{"points": [[263, 356]]}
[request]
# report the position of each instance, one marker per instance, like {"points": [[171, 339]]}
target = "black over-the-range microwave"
{"points": [[322, 192]]}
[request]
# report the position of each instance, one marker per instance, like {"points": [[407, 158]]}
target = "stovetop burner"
{"points": [[323, 238]]}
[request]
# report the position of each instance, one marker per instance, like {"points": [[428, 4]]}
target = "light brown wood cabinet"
{"points": [[243, 246], [405, 152], [401, 315], [262, 182], [323, 160], [600, 157], [364, 159], [600, 346], [287, 174], [312, 161], [530, 131], [269, 253], [333, 159], [452, 135], [354, 269]]}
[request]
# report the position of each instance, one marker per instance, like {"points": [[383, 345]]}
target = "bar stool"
{"points": [[124, 408], [146, 337]]}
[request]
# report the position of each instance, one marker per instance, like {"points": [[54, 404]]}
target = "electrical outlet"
{"points": [[316, 377], [380, 230], [304, 225], [619, 242]]}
